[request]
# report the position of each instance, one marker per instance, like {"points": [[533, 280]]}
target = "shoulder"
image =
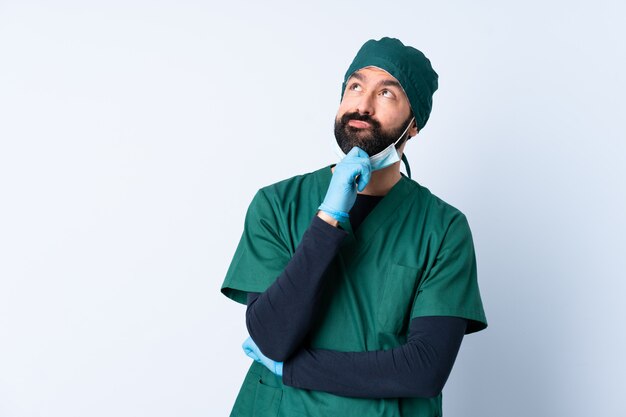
{"points": [[292, 192], [291, 189], [297, 181], [434, 206], [432, 216]]}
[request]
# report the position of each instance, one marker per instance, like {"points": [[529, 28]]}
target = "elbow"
{"points": [[431, 386], [430, 392], [274, 351], [278, 355], [427, 391], [438, 382], [270, 345]]}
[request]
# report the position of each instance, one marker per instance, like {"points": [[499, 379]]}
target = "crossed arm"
{"points": [[278, 320]]}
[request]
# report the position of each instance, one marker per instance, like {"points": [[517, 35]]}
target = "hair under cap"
{"points": [[407, 65]]}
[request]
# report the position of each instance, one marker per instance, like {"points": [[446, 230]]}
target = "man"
{"points": [[359, 282]]}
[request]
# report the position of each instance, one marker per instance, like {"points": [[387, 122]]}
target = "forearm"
{"points": [[279, 318], [419, 368]]}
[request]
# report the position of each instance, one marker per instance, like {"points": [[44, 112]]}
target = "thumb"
{"points": [[251, 354]]}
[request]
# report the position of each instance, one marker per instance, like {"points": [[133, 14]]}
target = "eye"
{"points": [[354, 87], [387, 93]]}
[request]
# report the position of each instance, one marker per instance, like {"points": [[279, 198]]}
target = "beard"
{"points": [[372, 140]]}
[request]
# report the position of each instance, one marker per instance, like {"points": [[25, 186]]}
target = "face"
{"points": [[373, 113]]}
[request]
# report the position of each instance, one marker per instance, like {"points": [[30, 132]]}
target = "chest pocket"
{"points": [[396, 299]]}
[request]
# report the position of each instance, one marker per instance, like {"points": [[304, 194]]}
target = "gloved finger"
{"points": [[361, 183], [364, 176], [354, 152], [251, 354], [278, 368], [248, 343], [359, 152], [248, 349], [249, 346]]}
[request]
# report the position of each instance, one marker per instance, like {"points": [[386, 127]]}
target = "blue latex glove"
{"points": [[342, 190], [252, 350]]}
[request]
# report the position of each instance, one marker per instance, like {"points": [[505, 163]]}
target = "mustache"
{"points": [[361, 117]]}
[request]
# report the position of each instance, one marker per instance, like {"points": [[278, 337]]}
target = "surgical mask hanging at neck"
{"points": [[382, 159]]}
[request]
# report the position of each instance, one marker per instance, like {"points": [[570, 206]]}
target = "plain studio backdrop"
{"points": [[133, 135]]}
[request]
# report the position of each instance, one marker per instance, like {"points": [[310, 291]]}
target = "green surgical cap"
{"points": [[407, 65]]}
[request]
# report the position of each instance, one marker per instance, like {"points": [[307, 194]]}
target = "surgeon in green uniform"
{"points": [[411, 257]]}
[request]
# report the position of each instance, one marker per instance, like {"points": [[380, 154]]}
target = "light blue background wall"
{"points": [[133, 135]]}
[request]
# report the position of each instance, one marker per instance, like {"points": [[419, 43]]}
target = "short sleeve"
{"points": [[261, 254], [450, 286]]}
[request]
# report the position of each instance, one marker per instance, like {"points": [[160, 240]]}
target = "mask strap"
{"points": [[403, 133], [406, 165], [404, 158]]}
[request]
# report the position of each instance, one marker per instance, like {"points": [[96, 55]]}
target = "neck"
{"points": [[383, 180]]}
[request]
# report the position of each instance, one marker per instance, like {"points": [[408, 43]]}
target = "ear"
{"points": [[413, 129]]}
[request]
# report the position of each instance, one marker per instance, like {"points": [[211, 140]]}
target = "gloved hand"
{"points": [[341, 193], [252, 350]]}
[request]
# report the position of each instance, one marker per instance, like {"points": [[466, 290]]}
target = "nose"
{"points": [[365, 105]]}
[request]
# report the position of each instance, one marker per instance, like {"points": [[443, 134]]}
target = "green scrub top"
{"points": [[412, 256]]}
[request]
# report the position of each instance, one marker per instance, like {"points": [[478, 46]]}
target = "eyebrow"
{"points": [[357, 76], [383, 83], [390, 83]]}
